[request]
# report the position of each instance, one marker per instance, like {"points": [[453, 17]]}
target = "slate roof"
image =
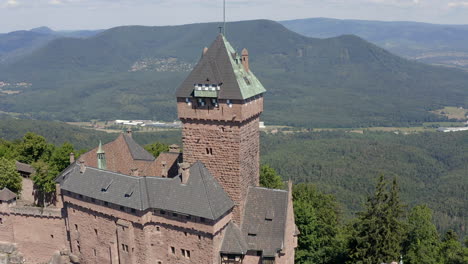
{"points": [[201, 196], [7, 195], [233, 241], [265, 216], [24, 167], [221, 65], [137, 151]]}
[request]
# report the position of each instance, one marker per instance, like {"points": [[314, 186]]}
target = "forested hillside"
{"points": [[132, 73], [430, 167], [438, 44]]}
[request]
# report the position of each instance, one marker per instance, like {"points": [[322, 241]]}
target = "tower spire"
{"points": [[101, 156]]}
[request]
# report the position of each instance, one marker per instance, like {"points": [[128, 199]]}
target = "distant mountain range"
{"points": [[132, 72], [20, 43], [445, 45]]}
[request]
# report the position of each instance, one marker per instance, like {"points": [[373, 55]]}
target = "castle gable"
{"points": [[124, 155], [265, 218], [234, 242]]}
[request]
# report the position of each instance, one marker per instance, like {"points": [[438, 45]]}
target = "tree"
{"points": [[156, 148], [452, 251], [9, 176], [422, 242], [60, 157], [378, 233], [316, 217], [44, 179], [33, 147], [269, 178]]}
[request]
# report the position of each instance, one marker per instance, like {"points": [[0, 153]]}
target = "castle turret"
{"points": [[219, 105], [101, 156]]}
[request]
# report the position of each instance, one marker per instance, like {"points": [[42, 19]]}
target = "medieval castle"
{"points": [[119, 204]]}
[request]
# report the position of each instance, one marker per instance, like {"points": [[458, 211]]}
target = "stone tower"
{"points": [[219, 105]]}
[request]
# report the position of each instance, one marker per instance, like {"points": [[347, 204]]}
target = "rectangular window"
{"points": [[173, 250], [76, 227], [187, 253]]}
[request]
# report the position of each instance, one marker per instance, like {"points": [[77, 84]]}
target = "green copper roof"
{"points": [[221, 67], [100, 148], [248, 83]]}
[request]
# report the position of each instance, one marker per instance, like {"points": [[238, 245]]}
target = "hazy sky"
{"points": [[97, 14]]}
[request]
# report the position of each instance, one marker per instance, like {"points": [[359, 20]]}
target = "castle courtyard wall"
{"points": [[38, 232]]}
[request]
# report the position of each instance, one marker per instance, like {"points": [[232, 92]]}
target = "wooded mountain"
{"points": [[16, 44], [431, 43], [132, 73]]}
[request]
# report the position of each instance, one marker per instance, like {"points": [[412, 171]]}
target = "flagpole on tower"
{"points": [[224, 17]]}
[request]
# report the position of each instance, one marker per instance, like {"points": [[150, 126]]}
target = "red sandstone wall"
{"points": [[230, 151], [239, 111], [149, 237], [252, 258], [27, 194], [287, 255]]}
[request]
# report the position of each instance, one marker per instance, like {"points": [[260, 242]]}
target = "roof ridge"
{"points": [[204, 186]]}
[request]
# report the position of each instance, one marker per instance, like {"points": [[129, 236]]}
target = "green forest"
{"points": [[336, 82], [417, 181]]}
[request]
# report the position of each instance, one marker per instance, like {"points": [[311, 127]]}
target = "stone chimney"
{"points": [[82, 166], [135, 172], [129, 132], [164, 169], [245, 59], [174, 148], [72, 157], [184, 171]]}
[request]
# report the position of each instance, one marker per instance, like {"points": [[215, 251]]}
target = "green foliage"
{"points": [[378, 232], [156, 148], [33, 148], [452, 251], [269, 178], [316, 217], [345, 164], [422, 241], [336, 82], [9, 177], [60, 158], [44, 178]]}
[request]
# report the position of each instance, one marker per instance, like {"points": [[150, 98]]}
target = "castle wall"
{"points": [[38, 232], [27, 193], [290, 239], [100, 234], [238, 111]]}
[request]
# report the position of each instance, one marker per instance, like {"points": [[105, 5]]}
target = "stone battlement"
{"points": [[37, 211]]}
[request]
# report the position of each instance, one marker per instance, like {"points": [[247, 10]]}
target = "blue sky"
{"points": [[96, 14]]}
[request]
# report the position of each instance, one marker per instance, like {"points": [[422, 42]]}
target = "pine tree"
{"points": [[378, 231]]}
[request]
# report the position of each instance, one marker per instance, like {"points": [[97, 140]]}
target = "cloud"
{"points": [[12, 3], [458, 4]]}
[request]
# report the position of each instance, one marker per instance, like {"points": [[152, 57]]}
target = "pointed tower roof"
{"points": [[100, 150], [221, 74]]}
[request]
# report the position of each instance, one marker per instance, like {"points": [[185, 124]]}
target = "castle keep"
{"points": [[119, 204]]}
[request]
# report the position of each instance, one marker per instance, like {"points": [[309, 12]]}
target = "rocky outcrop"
{"points": [[9, 254], [64, 257]]}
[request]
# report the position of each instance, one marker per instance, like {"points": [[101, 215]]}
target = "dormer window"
{"points": [[201, 102]]}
